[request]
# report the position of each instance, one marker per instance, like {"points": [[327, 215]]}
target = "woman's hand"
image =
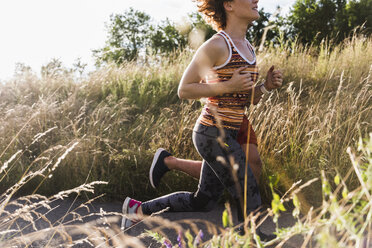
{"points": [[274, 79], [240, 81]]}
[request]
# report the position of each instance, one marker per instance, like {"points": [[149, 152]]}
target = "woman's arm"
{"points": [[210, 54], [274, 80]]}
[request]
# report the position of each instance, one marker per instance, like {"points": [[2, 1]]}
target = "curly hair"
{"points": [[213, 12]]}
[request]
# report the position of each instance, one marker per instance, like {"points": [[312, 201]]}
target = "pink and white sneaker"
{"points": [[130, 208]]}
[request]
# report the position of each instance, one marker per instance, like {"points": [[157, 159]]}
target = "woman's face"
{"points": [[246, 9]]}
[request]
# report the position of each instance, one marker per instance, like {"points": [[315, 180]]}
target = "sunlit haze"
{"points": [[35, 31]]}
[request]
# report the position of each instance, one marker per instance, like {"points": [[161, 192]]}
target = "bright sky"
{"points": [[35, 31]]}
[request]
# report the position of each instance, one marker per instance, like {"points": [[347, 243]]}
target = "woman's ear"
{"points": [[227, 5]]}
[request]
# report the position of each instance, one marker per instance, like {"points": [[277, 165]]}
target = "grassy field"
{"points": [[58, 131], [118, 116]]}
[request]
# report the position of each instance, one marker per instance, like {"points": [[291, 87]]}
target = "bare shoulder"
{"points": [[216, 42], [215, 49]]}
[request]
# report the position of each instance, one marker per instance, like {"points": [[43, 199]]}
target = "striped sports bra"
{"points": [[228, 108]]}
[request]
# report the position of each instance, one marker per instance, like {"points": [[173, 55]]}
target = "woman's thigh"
{"points": [[218, 158], [227, 161]]}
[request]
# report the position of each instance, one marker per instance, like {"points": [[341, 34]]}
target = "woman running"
{"points": [[224, 72]]}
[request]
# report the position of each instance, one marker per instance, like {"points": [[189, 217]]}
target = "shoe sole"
{"points": [[154, 160], [124, 211]]}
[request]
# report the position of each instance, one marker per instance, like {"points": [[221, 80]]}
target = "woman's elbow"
{"points": [[182, 93], [187, 92]]}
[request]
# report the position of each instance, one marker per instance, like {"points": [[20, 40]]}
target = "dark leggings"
{"points": [[215, 175]]}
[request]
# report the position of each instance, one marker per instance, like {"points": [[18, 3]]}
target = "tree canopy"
{"points": [[315, 20], [134, 35], [127, 34]]}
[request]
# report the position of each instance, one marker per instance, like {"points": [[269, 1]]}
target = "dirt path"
{"points": [[60, 209]]}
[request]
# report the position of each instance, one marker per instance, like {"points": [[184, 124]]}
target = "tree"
{"points": [[165, 39], [198, 22], [132, 35], [360, 13], [315, 20], [127, 35], [256, 30], [312, 20], [54, 68], [341, 26], [274, 24]]}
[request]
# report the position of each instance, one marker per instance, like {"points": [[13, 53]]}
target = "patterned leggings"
{"points": [[215, 175]]}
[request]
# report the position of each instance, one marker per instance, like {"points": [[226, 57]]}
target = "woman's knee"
{"points": [[202, 202]]}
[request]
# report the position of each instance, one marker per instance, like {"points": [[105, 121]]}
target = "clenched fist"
{"points": [[274, 79]]}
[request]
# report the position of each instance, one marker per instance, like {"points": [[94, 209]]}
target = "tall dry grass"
{"points": [[343, 220], [121, 115], [57, 133], [324, 107]]}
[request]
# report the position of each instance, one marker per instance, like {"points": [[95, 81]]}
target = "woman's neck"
{"points": [[236, 32]]}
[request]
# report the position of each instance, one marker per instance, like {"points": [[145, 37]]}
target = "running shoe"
{"points": [[130, 208], [158, 167]]}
